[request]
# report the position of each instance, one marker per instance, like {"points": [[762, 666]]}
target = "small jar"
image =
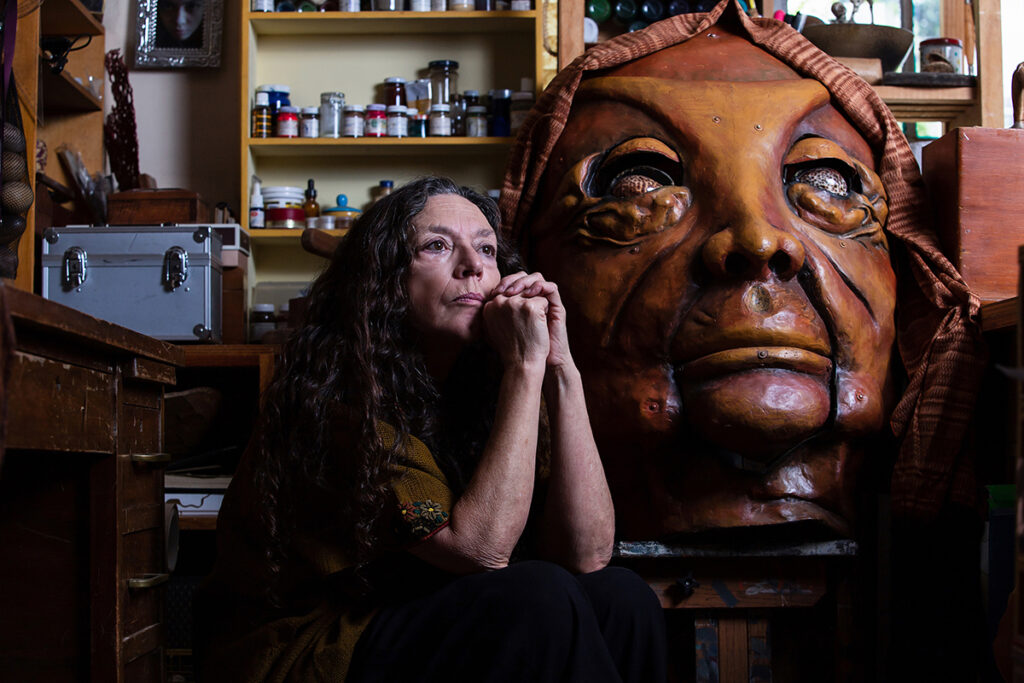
{"points": [[349, 5], [418, 125], [440, 120], [354, 125], [444, 81], [288, 122], [309, 122], [476, 122], [419, 5], [398, 121], [261, 6], [331, 111], [461, 5], [942, 55], [520, 6], [438, 5], [520, 106], [376, 121], [394, 91], [261, 321]]}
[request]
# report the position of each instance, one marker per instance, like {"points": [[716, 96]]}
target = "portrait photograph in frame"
{"points": [[178, 33]]}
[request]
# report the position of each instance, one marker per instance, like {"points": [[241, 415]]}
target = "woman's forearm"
{"points": [[488, 519], [579, 519]]}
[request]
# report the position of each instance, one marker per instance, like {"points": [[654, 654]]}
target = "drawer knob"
{"points": [[148, 580], [150, 458]]}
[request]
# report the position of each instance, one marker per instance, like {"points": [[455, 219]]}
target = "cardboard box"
{"points": [[975, 178]]}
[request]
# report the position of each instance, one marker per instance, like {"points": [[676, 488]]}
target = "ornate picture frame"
{"points": [[178, 33]]}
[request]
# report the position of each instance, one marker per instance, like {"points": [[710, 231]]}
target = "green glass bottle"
{"points": [[599, 10]]}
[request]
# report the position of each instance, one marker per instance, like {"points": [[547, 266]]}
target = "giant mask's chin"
{"points": [[719, 246]]}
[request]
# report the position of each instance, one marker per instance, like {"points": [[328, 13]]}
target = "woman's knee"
{"points": [[619, 592]]}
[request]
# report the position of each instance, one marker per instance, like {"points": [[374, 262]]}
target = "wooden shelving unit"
{"points": [[263, 148], [928, 104]]}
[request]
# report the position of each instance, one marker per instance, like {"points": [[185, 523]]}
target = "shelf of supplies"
{"points": [[927, 104], [305, 23], [67, 18], [291, 147], [61, 93], [270, 235]]}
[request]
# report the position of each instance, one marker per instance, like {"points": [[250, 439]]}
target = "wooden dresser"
{"points": [[82, 548]]}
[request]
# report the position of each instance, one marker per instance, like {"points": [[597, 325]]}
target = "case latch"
{"points": [[76, 265], [175, 267]]}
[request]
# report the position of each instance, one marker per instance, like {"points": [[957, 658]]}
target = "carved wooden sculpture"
{"points": [[715, 226]]}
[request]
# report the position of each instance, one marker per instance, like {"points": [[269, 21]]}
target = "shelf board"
{"points": [[227, 355], [61, 93], [67, 18], [999, 315], [271, 235], [305, 23], [291, 147], [927, 104]]}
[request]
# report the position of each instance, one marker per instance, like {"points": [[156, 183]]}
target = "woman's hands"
{"points": [[517, 326], [531, 291]]}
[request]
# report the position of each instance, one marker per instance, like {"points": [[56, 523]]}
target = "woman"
{"points": [[371, 529]]}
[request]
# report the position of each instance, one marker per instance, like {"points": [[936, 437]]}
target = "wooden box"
{"points": [[153, 207], [975, 177]]}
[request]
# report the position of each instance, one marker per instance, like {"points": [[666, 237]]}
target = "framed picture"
{"points": [[179, 33]]}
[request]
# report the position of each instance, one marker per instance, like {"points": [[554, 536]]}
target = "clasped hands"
{"points": [[524, 321]]}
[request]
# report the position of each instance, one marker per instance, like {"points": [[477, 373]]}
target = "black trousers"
{"points": [[530, 622]]}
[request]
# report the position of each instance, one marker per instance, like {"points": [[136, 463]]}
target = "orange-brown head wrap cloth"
{"points": [[938, 336]]}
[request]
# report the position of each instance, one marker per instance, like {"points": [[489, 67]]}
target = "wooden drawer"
{"points": [[60, 407], [143, 558]]}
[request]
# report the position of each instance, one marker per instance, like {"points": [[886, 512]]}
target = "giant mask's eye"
{"points": [[635, 167], [832, 190]]}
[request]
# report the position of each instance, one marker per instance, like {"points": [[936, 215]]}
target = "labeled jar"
{"points": [[354, 124], [418, 125], [288, 122], [440, 120], [444, 81], [461, 5], [349, 5], [438, 5], [332, 105], [520, 105], [309, 122], [261, 321], [520, 6], [394, 91], [476, 122], [376, 121], [262, 119], [419, 5], [398, 121], [261, 6]]}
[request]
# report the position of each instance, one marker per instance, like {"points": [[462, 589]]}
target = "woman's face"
{"points": [[181, 17], [454, 268]]}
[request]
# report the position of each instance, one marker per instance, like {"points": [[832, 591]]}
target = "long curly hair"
{"points": [[354, 362]]}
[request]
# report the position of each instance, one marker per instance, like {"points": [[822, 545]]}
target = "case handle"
{"points": [[76, 266], [175, 267], [148, 580]]}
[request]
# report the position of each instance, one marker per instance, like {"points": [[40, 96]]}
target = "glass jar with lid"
{"points": [[440, 120], [444, 81], [476, 122], [287, 122], [376, 121], [354, 123], [394, 91], [332, 105], [398, 121], [309, 122]]}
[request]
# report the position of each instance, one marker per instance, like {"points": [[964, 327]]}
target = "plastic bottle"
{"points": [[262, 118], [310, 207], [257, 216]]}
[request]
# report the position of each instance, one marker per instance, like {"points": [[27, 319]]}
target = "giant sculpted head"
{"points": [[716, 229]]}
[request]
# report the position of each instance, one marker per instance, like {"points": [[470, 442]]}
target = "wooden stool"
{"points": [[740, 600]]}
